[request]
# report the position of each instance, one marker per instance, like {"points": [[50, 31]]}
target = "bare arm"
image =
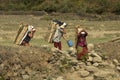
{"points": [[63, 31]]}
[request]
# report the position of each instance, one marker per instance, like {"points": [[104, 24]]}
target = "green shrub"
{"points": [[64, 6], [116, 8]]}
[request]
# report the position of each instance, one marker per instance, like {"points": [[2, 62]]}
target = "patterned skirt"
{"points": [[82, 53]]}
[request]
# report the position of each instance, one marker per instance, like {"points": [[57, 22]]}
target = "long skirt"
{"points": [[82, 53]]}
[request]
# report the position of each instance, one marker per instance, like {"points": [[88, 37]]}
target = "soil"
{"points": [[18, 61], [111, 49]]}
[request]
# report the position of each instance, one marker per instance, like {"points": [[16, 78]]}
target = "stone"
{"points": [[90, 59], [60, 78], [96, 64], [76, 68], [104, 74], [97, 59], [84, 73], [90, 47], [54, 50], [89, 78], [72, 69], [111, 65], [91, 69], [53, 79], [81, 64], [74, 62], [28, 70], [115, 61], [11, 73], [25, 77], [17, 66], [88, 63], [105, 57], [71, 49], [2, 66], [94, 54], [65, 53], [104, 64], [15, 74], [118, 68], [23, 72]]}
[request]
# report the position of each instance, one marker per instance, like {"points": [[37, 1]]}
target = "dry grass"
{"points": [[99, 31]]}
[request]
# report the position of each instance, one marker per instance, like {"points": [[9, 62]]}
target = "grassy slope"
{"points": [[99, 31]]}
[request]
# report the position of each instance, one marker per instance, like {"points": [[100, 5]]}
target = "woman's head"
{"points": [[63, 25], [31, 28]]}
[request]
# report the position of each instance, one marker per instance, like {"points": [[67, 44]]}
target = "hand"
{"points": [[33, 30], [77, 26]]}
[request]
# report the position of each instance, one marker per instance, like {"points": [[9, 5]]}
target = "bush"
{"points": [[64, 6], [116, 8]]}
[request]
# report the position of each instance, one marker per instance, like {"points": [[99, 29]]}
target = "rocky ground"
{"points": [[45, 63], [23, 63], [111, 49]]}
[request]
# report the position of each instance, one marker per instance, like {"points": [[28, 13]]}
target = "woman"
{"points": [[28, 37], [60, 31], [81, 45]]}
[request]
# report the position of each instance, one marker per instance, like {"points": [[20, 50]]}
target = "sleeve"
{"points": [[77, 41]]}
